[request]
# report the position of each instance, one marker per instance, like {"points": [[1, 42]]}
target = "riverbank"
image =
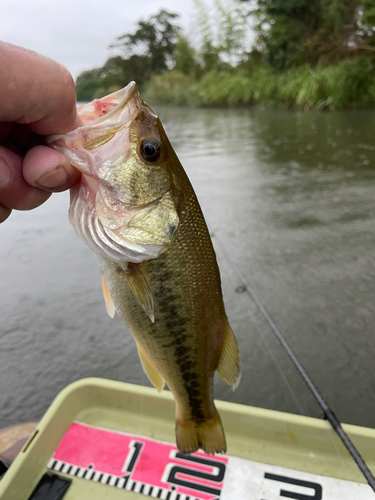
{"points": [[345, 85]]}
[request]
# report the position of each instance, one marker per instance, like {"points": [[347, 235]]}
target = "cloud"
{"points": [[77, 33]]}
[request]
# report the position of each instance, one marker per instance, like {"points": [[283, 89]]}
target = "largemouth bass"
{"points": [[136, 209]]}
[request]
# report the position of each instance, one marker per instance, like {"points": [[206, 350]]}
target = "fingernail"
{"points": [[4, 174], [53, 178]]}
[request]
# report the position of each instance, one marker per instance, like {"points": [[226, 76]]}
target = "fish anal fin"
{"points": [[149, 368], [140, 289], [107, 297], [229, 363], [208, 436]]}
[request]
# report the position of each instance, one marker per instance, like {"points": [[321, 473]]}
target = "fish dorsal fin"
{"points": [[149, 368], [229, 363], [107, 297], [140, 289]]}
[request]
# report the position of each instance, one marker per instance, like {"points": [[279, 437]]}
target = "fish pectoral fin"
{"points": [[229, 363], [150, 370], [140, 289], [107, 297]]}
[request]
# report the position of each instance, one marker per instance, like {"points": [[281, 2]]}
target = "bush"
{"points": [[173, 87], [348, 84]]}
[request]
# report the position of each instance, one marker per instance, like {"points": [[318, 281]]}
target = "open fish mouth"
{"points": [[102, 119], [108, 106]]}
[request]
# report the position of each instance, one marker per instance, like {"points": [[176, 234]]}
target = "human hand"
{"points": [[37, 98]]}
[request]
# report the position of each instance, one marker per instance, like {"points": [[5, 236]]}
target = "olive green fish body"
{"points": [[185, 340], [137, 210]]}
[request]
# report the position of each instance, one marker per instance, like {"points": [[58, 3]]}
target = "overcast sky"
{"points": [[77, 33]]}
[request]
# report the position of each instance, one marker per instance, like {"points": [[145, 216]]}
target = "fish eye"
{"points": [[150, 149]]}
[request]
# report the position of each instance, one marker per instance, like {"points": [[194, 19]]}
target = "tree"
{"points": [[293, 32], [185, 57], [221, 33], [147, 52], [366, 23], [115, 74], [154, 39], [88, 84]]}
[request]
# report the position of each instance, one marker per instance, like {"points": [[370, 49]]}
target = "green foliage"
{"points": [[220, 34], [366, 22], [283, 42], [155, 39], [115, 74], [210, 56], [294, 32], [309, 54], [88, 84], [185, 57], [282, 28], [173, 87], [147, 52], [347, 84], [226, 89]]}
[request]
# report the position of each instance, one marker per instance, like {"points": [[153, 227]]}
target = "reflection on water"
{"points": [[290, 195]]}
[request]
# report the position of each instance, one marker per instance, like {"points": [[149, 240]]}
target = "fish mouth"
{"points": [[115, 110], [107, 107], [102, 120]]}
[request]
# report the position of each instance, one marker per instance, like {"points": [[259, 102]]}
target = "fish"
{"points": [[135, 207]]}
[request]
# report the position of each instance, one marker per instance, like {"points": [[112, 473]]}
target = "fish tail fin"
{"points": [[207, 435], [229, 363]]}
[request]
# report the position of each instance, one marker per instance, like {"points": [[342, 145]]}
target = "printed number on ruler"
{"points": [[317, 489]]}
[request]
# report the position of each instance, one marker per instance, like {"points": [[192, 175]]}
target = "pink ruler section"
{"points": [[139, 463]]}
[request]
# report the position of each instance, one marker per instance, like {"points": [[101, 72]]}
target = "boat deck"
{"points": [[266, 449]]}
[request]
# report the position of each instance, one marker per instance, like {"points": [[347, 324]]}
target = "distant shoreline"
{"points": [[347, 85]]}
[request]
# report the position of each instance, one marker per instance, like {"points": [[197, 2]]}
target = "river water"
{"points": [[291, 196]]}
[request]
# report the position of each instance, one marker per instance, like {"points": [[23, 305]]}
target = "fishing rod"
{"points": [[328, 412]]}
